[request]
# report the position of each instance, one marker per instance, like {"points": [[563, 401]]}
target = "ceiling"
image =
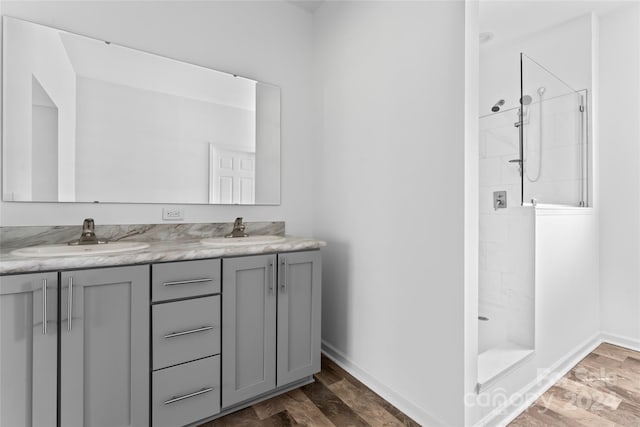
{"points": [[510, 19]]}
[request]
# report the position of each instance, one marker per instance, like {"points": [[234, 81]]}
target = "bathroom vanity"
{"points": [[187, 333]]}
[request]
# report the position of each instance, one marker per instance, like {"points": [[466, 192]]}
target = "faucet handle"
{"points": [[88, 225], [238, 229]]}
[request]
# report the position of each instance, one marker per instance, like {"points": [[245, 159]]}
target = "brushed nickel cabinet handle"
{"points": [[191, 331], [69, 304], [283, 279], [187, 282], [44, 306], [272, 279], [186, 396]]}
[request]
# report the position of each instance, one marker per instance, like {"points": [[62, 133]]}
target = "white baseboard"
{"points": [[502, 415], [507, 412], [621, 341], [409, 408]]}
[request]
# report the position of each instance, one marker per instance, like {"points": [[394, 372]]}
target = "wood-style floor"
{"points": [[334, 399], [602, 390]]}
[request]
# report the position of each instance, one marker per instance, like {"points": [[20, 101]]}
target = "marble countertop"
{"points": [[159, 251]]}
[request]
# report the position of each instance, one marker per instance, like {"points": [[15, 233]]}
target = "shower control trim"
{"points": [[499, 200]]}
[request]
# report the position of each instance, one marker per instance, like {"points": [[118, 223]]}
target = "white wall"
{"points": [[170, 133], [564, 49], [620, 173], [268, 41], [390, 198], [43, 58], [267, 128]]}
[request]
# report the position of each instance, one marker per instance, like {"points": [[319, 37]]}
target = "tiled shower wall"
{"points": [[506, 276]]}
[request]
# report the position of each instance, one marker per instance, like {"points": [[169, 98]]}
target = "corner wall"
{"points": [[269, 41], [390, 198], [619, 166]]}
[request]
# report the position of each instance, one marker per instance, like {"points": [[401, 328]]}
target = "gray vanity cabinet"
{"points": [[104, 358], [28, 364], [248, 327], [270, 321], [299, 318]]}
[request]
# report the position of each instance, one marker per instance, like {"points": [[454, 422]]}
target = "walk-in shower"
{"points": [[533, 146]]}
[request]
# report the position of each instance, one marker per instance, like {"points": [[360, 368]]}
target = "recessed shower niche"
{"points": [[533, 146]]}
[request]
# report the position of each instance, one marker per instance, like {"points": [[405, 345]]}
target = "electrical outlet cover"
{"points": [[172, 214]]}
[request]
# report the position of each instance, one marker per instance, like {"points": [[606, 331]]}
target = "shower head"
{"points": [[541, 90], [497, 105], [526, 100]]}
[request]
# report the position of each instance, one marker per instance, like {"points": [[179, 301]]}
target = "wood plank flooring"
{"points": [[334, 399], [602, 390]]}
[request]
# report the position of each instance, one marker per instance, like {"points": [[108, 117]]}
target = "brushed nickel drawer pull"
{"points": [[186, 396], [283, 278], [187, 282], [70, 304], [44, 306], [272, 279], [192, 331]]}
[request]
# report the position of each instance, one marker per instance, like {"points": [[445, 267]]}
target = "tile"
{"points": [[490, 288], [490, 171], [502, 140], [493, 228]]}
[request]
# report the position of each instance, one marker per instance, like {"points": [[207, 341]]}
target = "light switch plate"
{"points": [[172, 214]]}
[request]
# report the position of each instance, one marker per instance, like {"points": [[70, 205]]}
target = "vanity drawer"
{"points": [[186, 393], [185, 279], [185, 330]]}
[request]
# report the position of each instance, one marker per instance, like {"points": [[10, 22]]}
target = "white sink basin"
{"points": [[67, 250], [222, 242]]}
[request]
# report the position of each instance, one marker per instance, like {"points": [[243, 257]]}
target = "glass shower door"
{"points": [[553, 143]]}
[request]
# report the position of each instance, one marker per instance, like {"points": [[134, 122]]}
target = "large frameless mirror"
{"points": [[89, 121]]}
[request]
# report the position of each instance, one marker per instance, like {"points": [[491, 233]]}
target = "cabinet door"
{"points": [[105, 347], [248, 327], [298, 316], [28, 363]]}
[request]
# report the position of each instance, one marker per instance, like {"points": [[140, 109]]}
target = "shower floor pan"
{"points": [[498, 361]]}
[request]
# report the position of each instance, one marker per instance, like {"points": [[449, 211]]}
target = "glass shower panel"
{"points": [[553, 138]]}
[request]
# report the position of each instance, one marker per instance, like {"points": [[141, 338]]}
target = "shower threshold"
{"points": [[498, 361]]}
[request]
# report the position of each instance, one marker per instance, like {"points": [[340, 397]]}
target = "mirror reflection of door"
{"points": [[231, 176], [87, 121], [44, 144]]}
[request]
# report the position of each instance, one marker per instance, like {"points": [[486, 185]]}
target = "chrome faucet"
{"points": [[88, 236], [238, 229]]}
